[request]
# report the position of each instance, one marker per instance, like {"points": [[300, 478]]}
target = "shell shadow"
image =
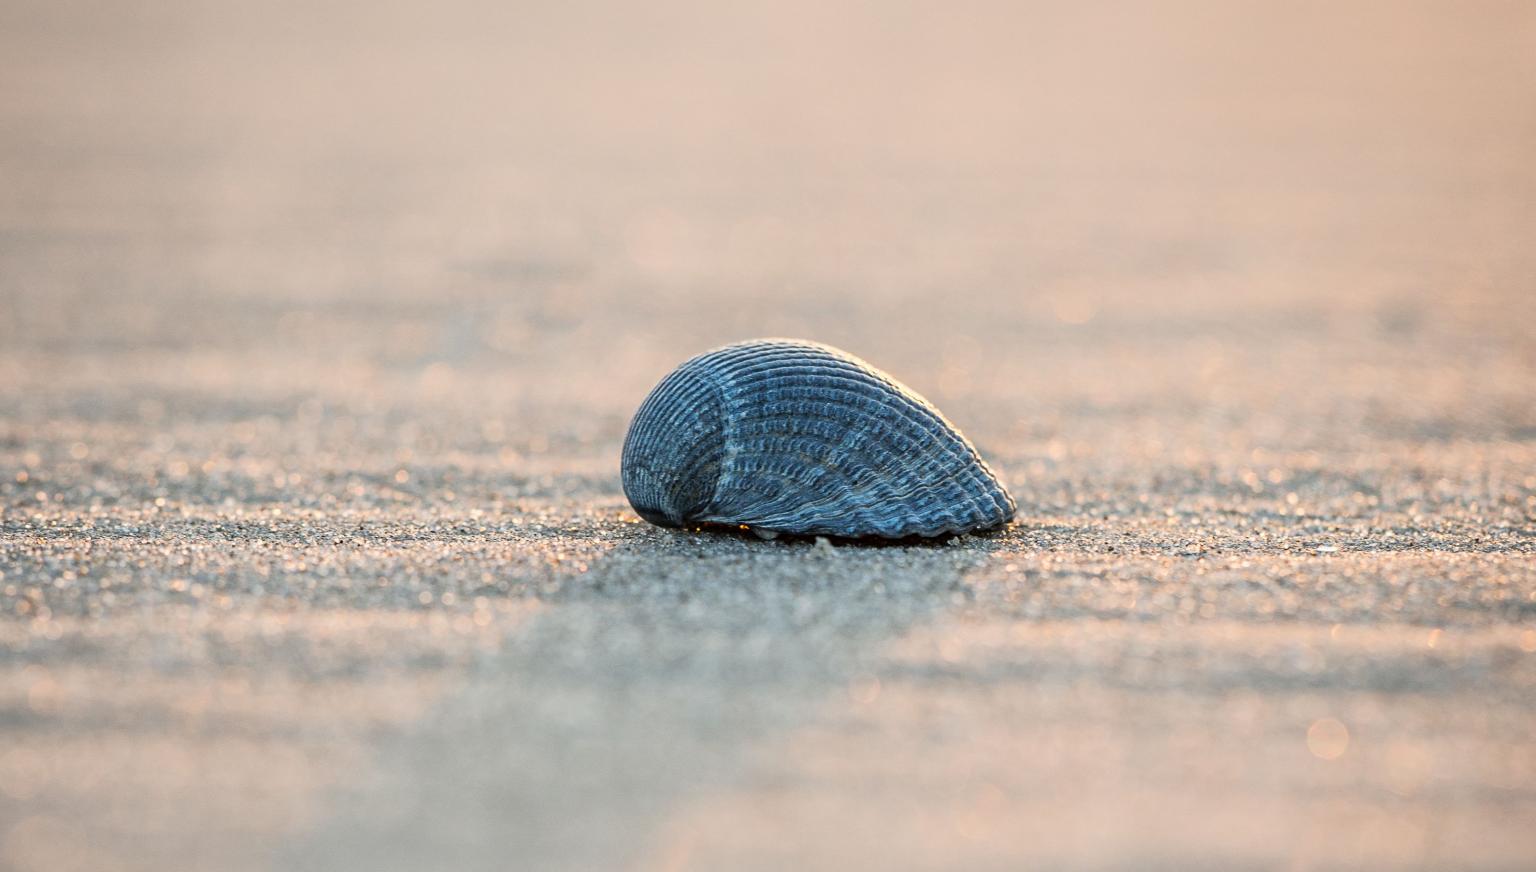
{"points": [[649, 677], [910, 576], [945, 540]]}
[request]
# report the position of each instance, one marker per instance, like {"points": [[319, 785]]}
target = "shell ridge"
{"points": [[817, 452], [780, 514], [936, 492], [843, 387], [926, 413], [647, 488], [865, 367], [770, 429], [735, 436], [921, 419], [927, 485], [924, 459], [725, 390]]}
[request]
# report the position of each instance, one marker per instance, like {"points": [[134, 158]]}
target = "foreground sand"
{"points": [[319, 330]]}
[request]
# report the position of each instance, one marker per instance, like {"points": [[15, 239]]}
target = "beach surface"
{"points": [[321, 325]]}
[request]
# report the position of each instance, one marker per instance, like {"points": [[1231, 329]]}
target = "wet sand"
{"points": [[320, 328]]}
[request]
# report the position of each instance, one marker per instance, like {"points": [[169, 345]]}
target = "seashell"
{"points": [[786, 436]]}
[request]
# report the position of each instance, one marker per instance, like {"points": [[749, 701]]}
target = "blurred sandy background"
{"points": [[320, 324]]}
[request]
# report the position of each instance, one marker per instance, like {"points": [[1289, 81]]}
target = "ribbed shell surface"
{"points": [[787, 436]]}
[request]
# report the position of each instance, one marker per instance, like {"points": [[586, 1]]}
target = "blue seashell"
{"points": [[786, 436]]}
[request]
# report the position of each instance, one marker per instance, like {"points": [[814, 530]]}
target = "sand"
{"points": [[320, 328]]}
